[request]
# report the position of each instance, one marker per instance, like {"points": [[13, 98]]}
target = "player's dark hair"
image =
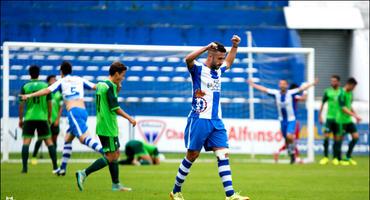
{"points": [[50, 77], [220, 47], [352, 81], [336, 77], [34, 71], [293, 86], [117, 67], [66, 68]]}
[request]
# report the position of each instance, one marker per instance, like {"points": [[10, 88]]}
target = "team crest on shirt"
{"points": [[200, 104], [151, 130]]}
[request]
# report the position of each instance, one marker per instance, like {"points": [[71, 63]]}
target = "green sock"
{"points": [[97, 165], [53, 155], [37, 147], [25, 149], [114, 171], [350, 147]]}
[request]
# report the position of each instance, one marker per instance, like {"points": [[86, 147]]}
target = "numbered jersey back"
{"points": [[36, 107], [71, 87]]}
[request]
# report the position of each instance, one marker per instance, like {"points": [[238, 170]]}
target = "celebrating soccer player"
{"points": [[345, 124], [205, 127], [56, 112], [107, 109], [331, 97], [284, 99], [37, 117], [72, 88]]}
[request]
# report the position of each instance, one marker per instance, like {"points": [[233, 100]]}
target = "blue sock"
{"points": [[92, 143], [67, 151], [184, 170], [225, 173]]}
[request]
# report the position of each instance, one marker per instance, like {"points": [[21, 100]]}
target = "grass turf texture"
{"points": [[257, 180]]}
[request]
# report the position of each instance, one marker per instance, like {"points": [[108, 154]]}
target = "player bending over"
{"points": [[72, 88], [56, 112], [37, 117], [140, 153], [345, 124], [330, 97], [285, 103], [107, 109], [205, 127]]}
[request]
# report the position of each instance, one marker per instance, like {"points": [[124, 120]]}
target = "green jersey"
{"points": [[36, 107], [331, 96], [151, 149], [106, 105], [57, 102], [345, 101]]}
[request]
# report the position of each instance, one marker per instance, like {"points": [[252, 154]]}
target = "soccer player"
{"points": [[37, 117], [204, 126], [330, 97], [297, 98], [284, 99], [72, 88], [107, 109], [140, 153], [345, 124], [56, 112]]}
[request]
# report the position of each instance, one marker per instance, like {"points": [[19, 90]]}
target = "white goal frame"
{"points": [[309, 52]]}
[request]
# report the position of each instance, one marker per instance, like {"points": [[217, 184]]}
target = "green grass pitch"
{"points": [[257, 180]]}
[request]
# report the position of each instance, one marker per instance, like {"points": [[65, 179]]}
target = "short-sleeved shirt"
{"points": [[285, 103], [331, 97], [206, 91], [72, 87], [345, 101], [36, 107], [57, 102], [106, 106]]}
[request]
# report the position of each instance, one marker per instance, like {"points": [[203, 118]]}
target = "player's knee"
{"points": [[222, 154], [192, 155]]}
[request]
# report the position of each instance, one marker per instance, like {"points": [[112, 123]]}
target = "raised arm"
{"points": [[306, 86], [258, 87], [189, 59], [232, 54], [35, 94]]}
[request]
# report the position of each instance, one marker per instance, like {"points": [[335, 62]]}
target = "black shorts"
{"points": [[42, 127], [330, 126], [110, 144], [347, 128], [54, 129]]}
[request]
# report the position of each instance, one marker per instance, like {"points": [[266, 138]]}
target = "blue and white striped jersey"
{"points": [[71, 87], [285, 103], [206, 91]]}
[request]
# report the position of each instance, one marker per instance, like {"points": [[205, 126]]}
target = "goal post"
{"points": [[8, 46]]}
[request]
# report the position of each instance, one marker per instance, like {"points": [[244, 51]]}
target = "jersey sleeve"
{"points": [[22, 92], [195, 67], [87, 84], [223, 68], [112, 99], [55, 86], [272, 92], [294, 91], [325, 98], [341, 100]]}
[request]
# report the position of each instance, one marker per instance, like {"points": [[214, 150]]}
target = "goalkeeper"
{"points": [[140, 153]]}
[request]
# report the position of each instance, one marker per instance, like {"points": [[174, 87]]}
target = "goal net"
{"points": [[157, 91]]}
